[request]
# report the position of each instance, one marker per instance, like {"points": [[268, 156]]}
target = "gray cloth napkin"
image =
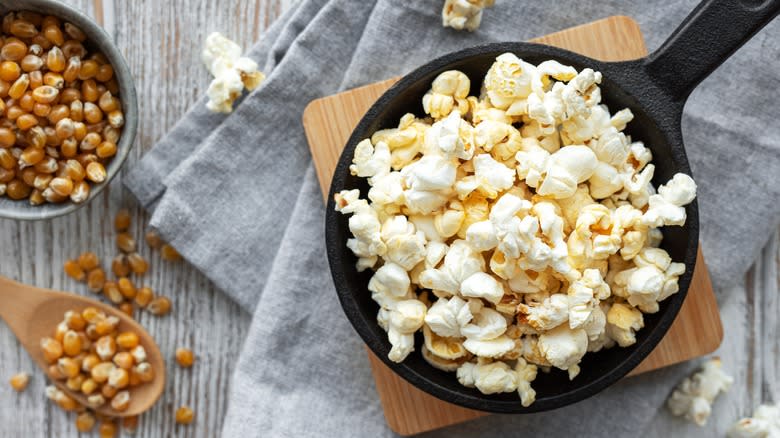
{"points": [[238, 197]]}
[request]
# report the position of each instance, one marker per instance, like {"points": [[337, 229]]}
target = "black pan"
{"points": [[655, 89]]}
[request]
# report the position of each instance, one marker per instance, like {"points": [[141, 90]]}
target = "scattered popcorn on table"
{"points": [[232, 72], [526, 215], [464, 14], [694, 396], [765, 423]]}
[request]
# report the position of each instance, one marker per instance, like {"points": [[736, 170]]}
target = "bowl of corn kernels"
{"points": [[68, 109]]}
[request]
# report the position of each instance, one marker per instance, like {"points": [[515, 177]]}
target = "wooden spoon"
{"points": [[33, 313]]}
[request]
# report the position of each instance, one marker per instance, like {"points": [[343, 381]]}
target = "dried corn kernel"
{"points": [[111, 291], [92, 314], [137, 263], [74, 383], [123, 360], [167, 252], [118, 378], [184, 357], [89, 362], [127, 288], [107, 429], [127, 308], [108, 391], [120, 266], [121, 401], [96, 279], [101, 371], [74, 320], [71, 343], [95, 401], [144, 371], [20, 381], [139, 354], [89, 386], [105, 347], [127, 340], [96, 172], [52, 349], [184, 415], [159, 306], [125, 242], [68, 367], [54, 373], [144, 296], [88, 260], [85, 422], [73, 270], [130, 424]]}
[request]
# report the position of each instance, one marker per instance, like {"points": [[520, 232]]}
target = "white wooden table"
{"points": [[161, 42]]}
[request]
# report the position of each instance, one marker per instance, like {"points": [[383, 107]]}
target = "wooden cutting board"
{"points": [[329, 121]]}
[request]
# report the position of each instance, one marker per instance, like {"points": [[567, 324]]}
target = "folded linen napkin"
{"points": [[254, 225]]}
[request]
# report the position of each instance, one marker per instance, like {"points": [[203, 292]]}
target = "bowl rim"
{"points": [[364, 325], [96, 35]]}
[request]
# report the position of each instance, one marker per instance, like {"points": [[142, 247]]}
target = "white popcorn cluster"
{"points": [[464, 14], [765, 423], [232, 72], [694, 396], [517, 229]]}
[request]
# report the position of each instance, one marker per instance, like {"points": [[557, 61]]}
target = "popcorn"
{"points": [[464, 14], [765, 423], [564, 347], [449, 90], [516, 229], [232, 72], [694, 396], [666, 208]]}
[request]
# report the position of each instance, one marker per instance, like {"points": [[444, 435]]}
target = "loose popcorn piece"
{"points": [[464, 14], [232, 72], [516, 229], [694, 396], [765, 423]]}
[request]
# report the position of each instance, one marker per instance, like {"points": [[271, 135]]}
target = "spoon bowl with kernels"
{"points": [[95, 355]]}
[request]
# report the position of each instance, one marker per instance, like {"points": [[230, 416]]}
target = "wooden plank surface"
{"points": [[330, 120], [161, 41]]}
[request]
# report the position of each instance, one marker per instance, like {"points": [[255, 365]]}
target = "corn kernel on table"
{"points": [[161, 42]]}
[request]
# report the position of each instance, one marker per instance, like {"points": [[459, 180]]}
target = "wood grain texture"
{"points": [[330, 120], [161, 42]]}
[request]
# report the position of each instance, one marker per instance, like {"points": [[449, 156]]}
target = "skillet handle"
{"points": [[711, 33]]}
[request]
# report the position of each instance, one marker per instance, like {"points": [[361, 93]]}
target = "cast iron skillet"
{"points": [[655, 88]]}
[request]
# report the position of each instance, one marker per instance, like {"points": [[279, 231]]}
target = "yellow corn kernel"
{"points": [[120, 266], [144, 371], [68, 367], [105, 73], [96, 279], [88, 260], [85, 422], [92, 334], [106, 149], [130, 424], [60, 330], [61, 399], [167, 252], [92, 314], [74, 320], [185, 357], [71, 343], [36, 197], [118, 378], [107, 325], [125, 242], [123, 360], [100, 372], [107, 429], [96, 172], [135, 379], [74, 383], [20, 381], [139, 354], [127, 308], [52, 349], [127, 340], [55, 59], [111, 291], [95, 401], [80, 192], [144, 296], [121, 401], [116, 118], [159, 306], [184, 415], [89, 386], [62, 186], [108, 391], [54, 373], [105, 347], [19, 87], [89, 362], [10, 71], [86, 343], [126, 288], [122, 220], [73, 270], [138, 264]]}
